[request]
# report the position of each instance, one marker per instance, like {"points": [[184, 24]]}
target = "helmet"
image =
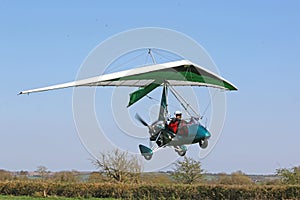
{"points": [[178, 112]]}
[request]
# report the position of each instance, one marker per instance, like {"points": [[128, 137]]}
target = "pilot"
{"points": [[177, 122]]}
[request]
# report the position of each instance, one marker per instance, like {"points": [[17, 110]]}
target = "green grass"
{"points": [[6, 197]]}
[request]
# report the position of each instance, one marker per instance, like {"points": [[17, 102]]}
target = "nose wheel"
{"points": [[203, 143], [147, 156]]}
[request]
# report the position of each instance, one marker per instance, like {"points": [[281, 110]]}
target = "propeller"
{"points": [[150, 126], [140, 119]]}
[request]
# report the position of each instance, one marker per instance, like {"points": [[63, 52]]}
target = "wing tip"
{"points": [[23, 93]]}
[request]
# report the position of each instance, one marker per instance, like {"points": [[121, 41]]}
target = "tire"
{"points": [[203, 143], [181, 153], [148, 156], [182, 150]]}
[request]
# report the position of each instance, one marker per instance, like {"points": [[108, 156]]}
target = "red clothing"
{"points": [[173, 125]]}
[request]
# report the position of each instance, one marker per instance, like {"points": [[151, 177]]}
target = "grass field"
{"points": [[43, 198]]}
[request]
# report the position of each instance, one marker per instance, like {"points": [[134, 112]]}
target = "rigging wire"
{"points": [[209, 103], [180, 98], [177, 95], [126, 62], [150, 53], [170, 105], [184, 103], [152, 98], [147, 57], [164, 56], [152, 57]]}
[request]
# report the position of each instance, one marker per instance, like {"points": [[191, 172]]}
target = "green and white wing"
{"points": [[177, 73]]}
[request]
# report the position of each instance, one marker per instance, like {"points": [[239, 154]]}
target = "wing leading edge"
{"points": [[177, 73]]}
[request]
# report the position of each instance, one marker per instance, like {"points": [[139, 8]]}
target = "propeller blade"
{"points": [[150, 127], [139, 118]]}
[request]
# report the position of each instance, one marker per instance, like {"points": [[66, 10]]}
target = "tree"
{"points": [[43, 172], [289, 176], [187, 171], [119, 166]]}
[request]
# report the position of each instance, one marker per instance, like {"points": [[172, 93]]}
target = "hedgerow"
{"points": [[149, 191]]}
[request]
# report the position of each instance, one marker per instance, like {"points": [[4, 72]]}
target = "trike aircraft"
{"points": [[147, 78]]}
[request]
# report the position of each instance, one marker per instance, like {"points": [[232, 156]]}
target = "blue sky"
{"points": [[255, 45]]}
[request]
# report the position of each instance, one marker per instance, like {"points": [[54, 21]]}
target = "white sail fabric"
{"points": [[177, 73]]}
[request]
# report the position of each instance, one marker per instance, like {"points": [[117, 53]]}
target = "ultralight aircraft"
{"points": [[148, 78]]}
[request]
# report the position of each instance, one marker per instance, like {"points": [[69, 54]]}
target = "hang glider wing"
{"points": [[177, 73]]}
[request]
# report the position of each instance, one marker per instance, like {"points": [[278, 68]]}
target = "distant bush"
{"points": [[148, 191], [65, 176], [96, 177], [5, 175], [236, 178], [156, 178]]}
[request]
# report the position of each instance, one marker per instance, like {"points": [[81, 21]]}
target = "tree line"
{"points": [[119, 167]]}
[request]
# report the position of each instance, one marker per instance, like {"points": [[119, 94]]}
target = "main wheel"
{"points": [[147, 156], [203, 143], [181, 153], [182, 150]]}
